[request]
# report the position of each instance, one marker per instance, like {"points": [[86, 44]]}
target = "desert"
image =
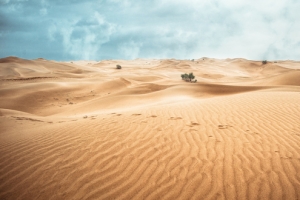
{"points": [[87, 130]]}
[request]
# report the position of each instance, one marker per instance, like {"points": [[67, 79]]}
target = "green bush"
{"points": [[191, 76], [188, 77], [118, 67], [264, 62]]}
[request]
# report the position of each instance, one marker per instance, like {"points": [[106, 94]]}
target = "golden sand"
{"points": [[86, 130]]}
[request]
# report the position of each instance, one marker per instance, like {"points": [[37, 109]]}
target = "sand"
{"points": [[85, 130]]}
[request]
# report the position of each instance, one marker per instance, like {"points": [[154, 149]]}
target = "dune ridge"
{"points": [[85, 130]]}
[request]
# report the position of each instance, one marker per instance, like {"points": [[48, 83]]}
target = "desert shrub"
{"points": [[185, 76], [191, 76], [118, 67], [264, 62], [188, 77]]}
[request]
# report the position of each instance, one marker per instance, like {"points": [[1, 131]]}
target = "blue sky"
{"points": [[128, 29]]}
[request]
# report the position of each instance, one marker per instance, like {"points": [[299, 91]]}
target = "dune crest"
{"points": [[86, 130]]}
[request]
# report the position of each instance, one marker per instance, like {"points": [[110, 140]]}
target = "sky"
{"points": [[154, 29]]}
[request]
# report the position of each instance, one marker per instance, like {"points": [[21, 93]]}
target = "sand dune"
{"points": [[85, 130]]}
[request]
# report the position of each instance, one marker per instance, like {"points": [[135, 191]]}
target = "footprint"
{"points": [[175, 118], [223, 126], [193, 124], [136, 114], [153, 116], [27, 118]]}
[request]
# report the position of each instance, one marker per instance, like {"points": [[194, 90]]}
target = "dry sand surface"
{"points": [[85, 130]]}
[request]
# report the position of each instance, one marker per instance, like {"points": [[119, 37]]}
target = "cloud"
{"points": [[130, 50], [128, 29], [43, 11], [83, 38], [4, 1]]}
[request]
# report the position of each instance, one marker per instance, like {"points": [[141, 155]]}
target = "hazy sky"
{"points": [[129, 29]]}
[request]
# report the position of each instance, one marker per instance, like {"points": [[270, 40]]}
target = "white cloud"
{"points": [[83, 38], [43, 11], [127, 29], [130, 49]]}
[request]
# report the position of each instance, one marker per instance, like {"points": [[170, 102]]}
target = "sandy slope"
{"points": [[84, 130]]}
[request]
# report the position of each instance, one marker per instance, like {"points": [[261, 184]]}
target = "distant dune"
{"points": [[86, 130]]}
